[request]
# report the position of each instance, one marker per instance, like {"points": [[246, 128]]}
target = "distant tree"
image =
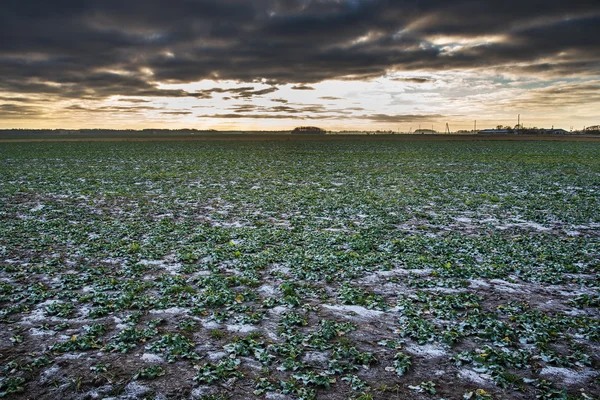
{"points": [[309, 130]]}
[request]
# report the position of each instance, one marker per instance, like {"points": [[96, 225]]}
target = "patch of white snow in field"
{"points": [[37, 208], [210, 324], [216, 355], [427, 350], [280, 268], [279, 309], [404, 271], [268, 290], [276, 396], [49, 374], [465, 220], [320, 357], [41, 332], [352, 311], [507, 287], [478, 283], [154, 358], [172, 310], [474, 377], [136, 390], [173, 269], [241, 328], [566, 375], [35, 316]]}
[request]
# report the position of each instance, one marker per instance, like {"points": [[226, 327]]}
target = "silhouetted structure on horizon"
{"points": [[309, 130]]}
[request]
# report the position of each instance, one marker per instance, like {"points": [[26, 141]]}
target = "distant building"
{"points": [[309, 130], [425, 132], [554, 131], [495, 131]]}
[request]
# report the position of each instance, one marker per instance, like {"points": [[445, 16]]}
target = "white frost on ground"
{"points": [[470, 375], [166, 264], [37, 208], [478, 283], [216, 355], [41, 332], [464, 220], [210, 324], [50, 374], [426, 351], [241, 328], [353, 311], [280, 268], [202, 392], [35, 316], [269, 290], [405, 271], [319, 357], [172, 310], [507, 287], [153, 358], [566, 375], [136, 390], [276, 396]]}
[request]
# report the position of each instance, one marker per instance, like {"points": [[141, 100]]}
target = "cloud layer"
{"points": [[76, 49], [97, 52]]}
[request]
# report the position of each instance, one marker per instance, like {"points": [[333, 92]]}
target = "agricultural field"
{"points": [[300, 270]]}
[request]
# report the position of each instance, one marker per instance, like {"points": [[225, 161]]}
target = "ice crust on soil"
{"points": [[353, 311], [153, 358], [566, 375], [426, 350]]}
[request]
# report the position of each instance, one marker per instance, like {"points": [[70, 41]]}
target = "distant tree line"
{"points": [[309, 129]]}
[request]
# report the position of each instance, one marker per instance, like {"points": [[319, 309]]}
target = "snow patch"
{"points": [[41, 332], [426, 350], [216, 355], [566, 375], [153, 358], [356, 310], [268, 290], [319, 357], [241, 328], [136, 390], [470, 375], [478, 283], [172, 310]]}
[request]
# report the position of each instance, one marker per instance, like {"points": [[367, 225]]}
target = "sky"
{"points": [[277, 64]]}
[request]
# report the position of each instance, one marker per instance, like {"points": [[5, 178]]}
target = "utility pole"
{"points": [[475, 127]]}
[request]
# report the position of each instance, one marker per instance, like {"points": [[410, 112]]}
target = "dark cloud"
{"points": [[238, 93], [371, 118], [558, 96], [330, 98], [110, 109], [176, 112], [302, 87], [306, 110], [400, 118], [17, 111], [135, 100], [97, 49]]}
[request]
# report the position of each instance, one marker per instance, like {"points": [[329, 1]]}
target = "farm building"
{"points": [[495, 131]]}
